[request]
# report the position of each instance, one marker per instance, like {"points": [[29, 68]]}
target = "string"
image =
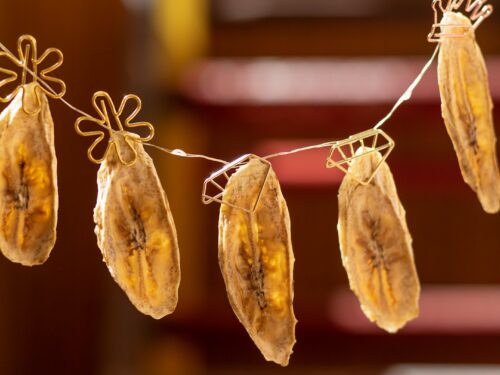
{"points": [[409, 91], [178, 152], [300, 149], [406, 96]]}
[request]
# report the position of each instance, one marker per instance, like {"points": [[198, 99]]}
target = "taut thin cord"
{"points": [[406, 96], [176, 152], [306, 148], [409, 91], [179, 152]]}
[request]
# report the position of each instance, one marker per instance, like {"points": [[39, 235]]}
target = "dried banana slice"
{"points": [[467, 109], [28, 179], [256, 259], [135, 229], [375, 244]]}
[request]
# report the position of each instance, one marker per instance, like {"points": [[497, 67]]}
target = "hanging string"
{"points": [[409, 91], [406, 96], [306, 148], [178, 152]]}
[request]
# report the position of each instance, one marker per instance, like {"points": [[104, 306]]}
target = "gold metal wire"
{"points": [[357, 138], [343, 152], [184, 154], [12, 76], [107, 113], [224, 174], [28, 55], [478, 10]]}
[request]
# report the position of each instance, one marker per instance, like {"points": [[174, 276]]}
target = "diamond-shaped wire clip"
{"points": [[213, 187], [343, 152], [478, 10]]}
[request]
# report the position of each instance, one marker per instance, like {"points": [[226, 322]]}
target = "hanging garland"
{"points": [[135, 228]]}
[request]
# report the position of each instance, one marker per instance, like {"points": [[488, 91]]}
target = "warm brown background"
{"points": [[69, 317]]}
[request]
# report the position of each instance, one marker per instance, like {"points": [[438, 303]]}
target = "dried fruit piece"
{"points": [[28, 179], [256, 259], [375, 244], [467, 109], [135, 229]]}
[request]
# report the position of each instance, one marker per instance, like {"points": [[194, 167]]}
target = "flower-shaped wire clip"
{"points": [[28, 59], [107, 113], [214, 186], [478, 10], [344, 152]]}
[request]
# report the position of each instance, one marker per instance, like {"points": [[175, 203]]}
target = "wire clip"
{"points": [[28, 55], [343, 152], [478, 10], [213, 186], [107, 112]]}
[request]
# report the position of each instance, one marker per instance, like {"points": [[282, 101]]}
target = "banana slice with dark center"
{"points": [[467, 109], [376, 246], [136, 232], [28, 179], [256, 258]]}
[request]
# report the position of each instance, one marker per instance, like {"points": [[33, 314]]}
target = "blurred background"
{"points": [[226, 77]]}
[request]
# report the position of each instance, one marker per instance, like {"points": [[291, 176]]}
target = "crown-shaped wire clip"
{"points": [[343, 152], [478, 10], [213, 187], [107, 113], [28, 59]]}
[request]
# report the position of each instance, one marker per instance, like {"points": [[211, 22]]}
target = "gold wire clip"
{"points": [[343, 152], [478, 10], [103, 104], [223, 175], [27, 54]]}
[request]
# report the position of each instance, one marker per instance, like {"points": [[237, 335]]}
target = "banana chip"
{"points": [[135, 230], [256, 258], [28, 179], [375, 244], [467, 109]]}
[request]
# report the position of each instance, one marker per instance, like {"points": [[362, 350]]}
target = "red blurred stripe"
{"points": [[315, 81], [307, 169], [452, 310]]}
